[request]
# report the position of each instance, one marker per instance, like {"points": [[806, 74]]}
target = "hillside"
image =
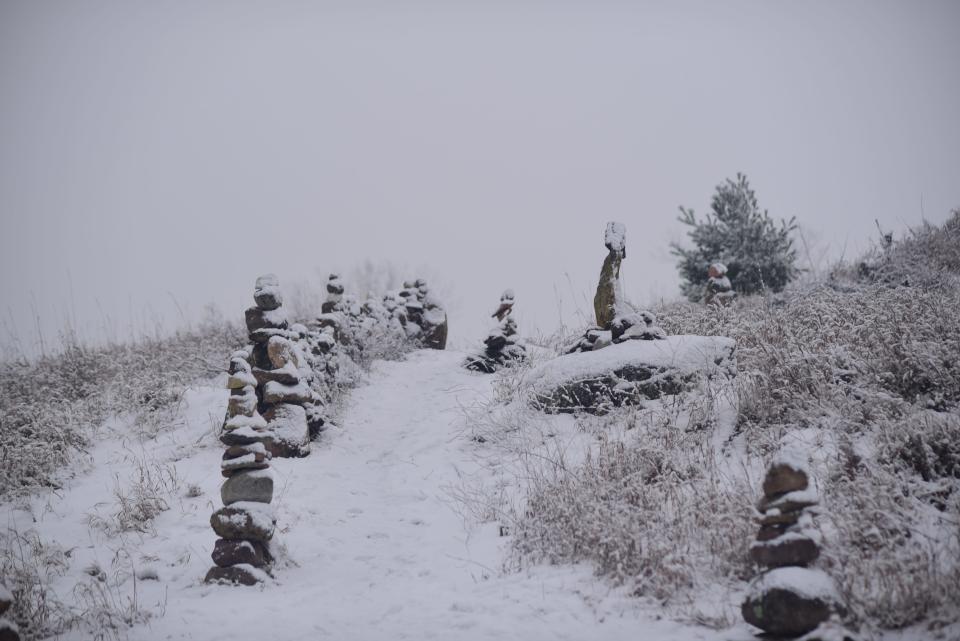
{"points": [[444, 503]]}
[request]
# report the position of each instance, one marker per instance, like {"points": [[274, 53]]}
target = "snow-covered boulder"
{"points": [[790, 601], [629, 372]]}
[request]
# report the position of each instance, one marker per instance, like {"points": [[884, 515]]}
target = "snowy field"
{"points": [[375, 545]]}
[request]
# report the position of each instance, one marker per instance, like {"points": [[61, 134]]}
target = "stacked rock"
{"points": [[502, 345], [433, 319], [718, 291], [421, 315], [334, 294], [8, 629], [788, 599], [280, 371], [636, 326], [241, 555]]}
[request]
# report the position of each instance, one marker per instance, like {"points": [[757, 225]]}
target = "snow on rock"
{"points": [[791, 601], [627, 372], [615, 237], [806, 582]]}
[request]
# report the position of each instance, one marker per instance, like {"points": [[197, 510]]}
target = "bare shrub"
{"points": [[655, 511]]}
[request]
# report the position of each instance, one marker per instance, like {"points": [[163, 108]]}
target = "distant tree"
{"points": [[758, 253]]}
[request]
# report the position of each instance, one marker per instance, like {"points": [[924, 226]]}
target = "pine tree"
{"points": [[758, 253]]}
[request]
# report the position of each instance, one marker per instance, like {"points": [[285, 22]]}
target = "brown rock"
{"points": [[790, 549], [782, 478], [769, 532], [236, 574], [231, 467], [282, 376], [281, 351], [227, 553], [789, 502], [237, 451], [253, 522]]}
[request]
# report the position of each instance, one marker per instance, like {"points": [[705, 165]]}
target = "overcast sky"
{"points": [[159, 156]]}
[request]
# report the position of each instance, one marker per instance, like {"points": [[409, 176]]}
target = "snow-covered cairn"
{"points": [[8, 629], [334, 295], [503, 345], [422, 316], [788, 599], [267, 416], [617, 320], [718, 290]]}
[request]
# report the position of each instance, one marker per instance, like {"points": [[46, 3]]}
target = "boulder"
{"points": [[629, 372], [244, 520], [790, 601], [227, 553], [252, 485], [236, 574]]}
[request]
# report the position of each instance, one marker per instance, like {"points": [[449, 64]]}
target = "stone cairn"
{"points": [[422, 317], [265, 418], [334, 295], [789, 598], [718, 290], [502, 346], [8, 629], [617, 320]]}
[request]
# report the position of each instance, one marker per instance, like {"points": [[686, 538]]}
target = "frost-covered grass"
{"points": [[51, 407], [862, 370]]}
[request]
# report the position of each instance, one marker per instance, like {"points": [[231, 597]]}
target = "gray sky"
{"points": [[173, 151]]}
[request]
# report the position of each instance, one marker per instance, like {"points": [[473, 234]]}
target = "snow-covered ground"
{"points": [[376, 547]]}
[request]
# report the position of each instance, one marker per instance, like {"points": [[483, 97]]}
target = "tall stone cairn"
{"points": [[789, 598], [605, 302], [246, 523], [8, 629]]}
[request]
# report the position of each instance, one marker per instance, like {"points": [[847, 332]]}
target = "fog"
{"points": [[156, 157]]}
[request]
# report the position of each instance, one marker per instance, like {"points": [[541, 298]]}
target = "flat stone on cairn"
{"points": [[790, 598]]}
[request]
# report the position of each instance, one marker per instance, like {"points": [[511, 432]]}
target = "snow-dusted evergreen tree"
{"points": [[758, 253]]}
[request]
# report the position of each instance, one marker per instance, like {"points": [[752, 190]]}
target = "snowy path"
{"points": [[377, 549]]}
